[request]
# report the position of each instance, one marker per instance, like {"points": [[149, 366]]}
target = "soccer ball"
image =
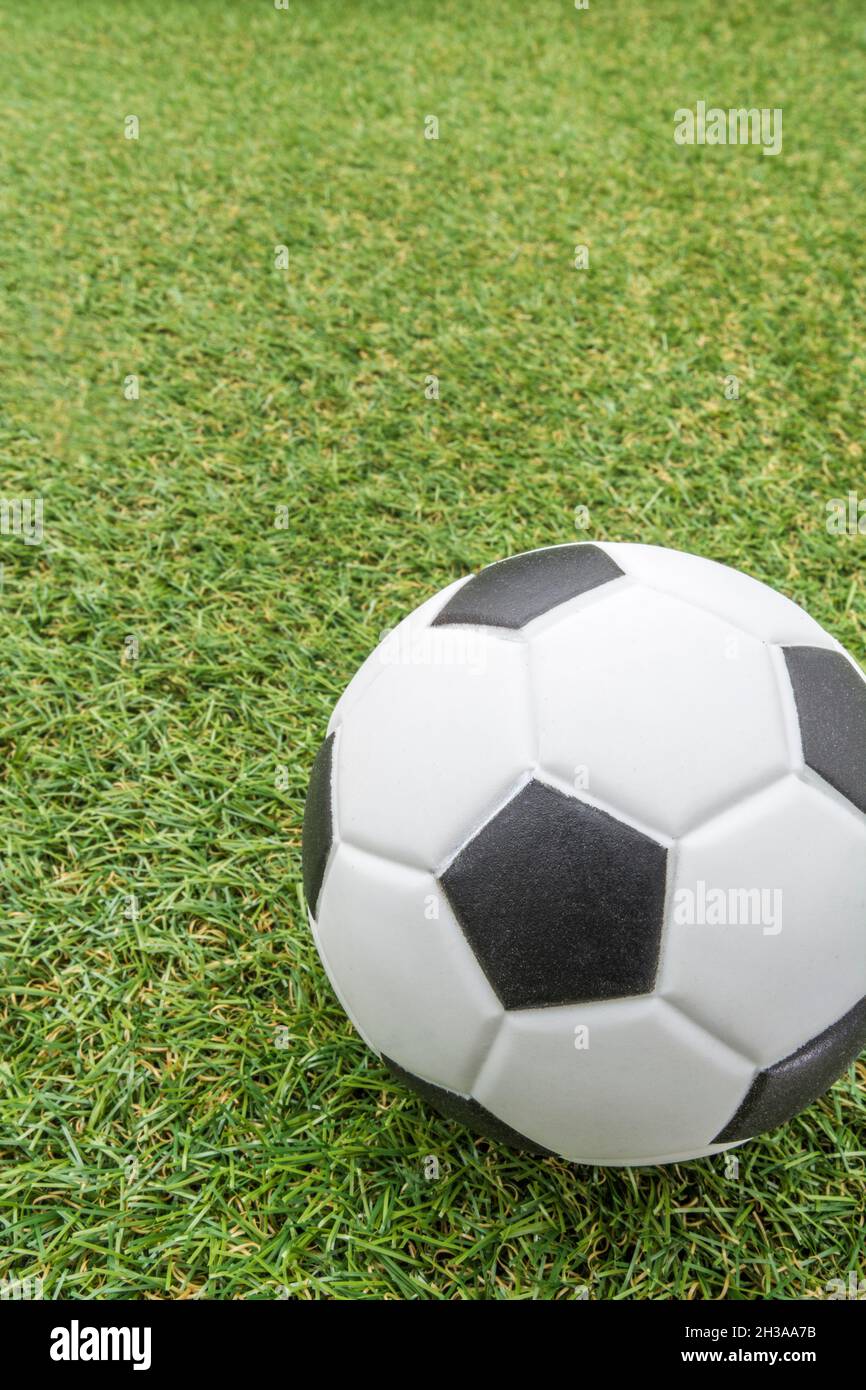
{"points": [[585, 854]]}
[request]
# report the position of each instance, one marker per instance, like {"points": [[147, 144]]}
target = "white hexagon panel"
{"points": [[658, 709], [433, 744], [399, 641], [551, 1074], [736, 598], [759, 944], [402, 968]]}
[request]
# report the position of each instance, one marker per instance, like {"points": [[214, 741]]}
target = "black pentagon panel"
{"points": [[831, 706], [781, 1091], [513, 592], [465, 1111], [560, 902], [318, 824]]}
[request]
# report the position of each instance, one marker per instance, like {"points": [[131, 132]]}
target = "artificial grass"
{"points": [[283, 490]]}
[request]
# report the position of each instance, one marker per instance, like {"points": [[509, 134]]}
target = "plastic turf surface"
{"points": [[184, 1109]]}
